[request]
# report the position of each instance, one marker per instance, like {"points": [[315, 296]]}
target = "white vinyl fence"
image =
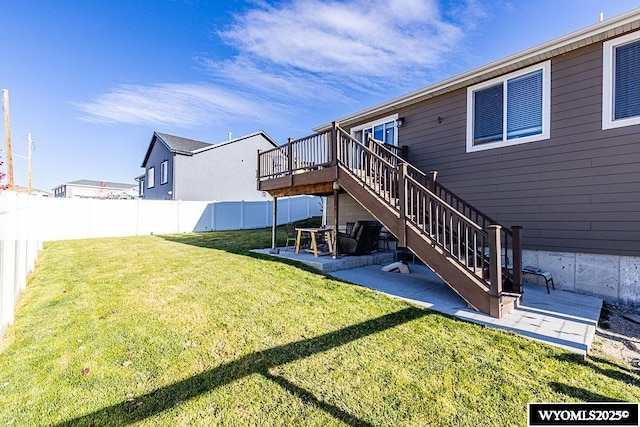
{"points": [[64, 219], [27, 221], [19, 248]]}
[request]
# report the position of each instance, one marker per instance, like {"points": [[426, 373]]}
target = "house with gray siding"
{"points": [[178, 168], [547, 139]]}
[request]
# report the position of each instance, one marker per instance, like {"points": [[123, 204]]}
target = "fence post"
{"points": [[22, 222], [7, 273], [242, 224], [517, 257], [213, 215], [179, 208]]}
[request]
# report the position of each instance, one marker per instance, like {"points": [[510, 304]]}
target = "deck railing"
{"points": [[296, 156]]}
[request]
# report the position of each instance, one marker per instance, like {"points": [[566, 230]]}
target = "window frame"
{"points": [[151, 177], [545, 67], [164, 172], [384, 120], [608, 92]]}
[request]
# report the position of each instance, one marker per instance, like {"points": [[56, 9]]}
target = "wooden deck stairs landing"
{"points": [[465, 247]]}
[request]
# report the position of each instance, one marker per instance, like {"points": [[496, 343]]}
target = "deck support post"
{"points": [[274, 244], [517, 258]]}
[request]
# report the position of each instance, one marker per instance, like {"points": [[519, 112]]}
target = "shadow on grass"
{"points": [[241, 242], [580, 393], [261, 362], [615, 372]]}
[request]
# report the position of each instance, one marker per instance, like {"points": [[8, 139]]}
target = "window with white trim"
{"points": [[621, 81], [511, 109], [151, 177], [164, 172], [384, 130]]}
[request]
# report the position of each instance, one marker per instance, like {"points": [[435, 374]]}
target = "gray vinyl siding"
{"points": [[159, 154], [578, 191]]}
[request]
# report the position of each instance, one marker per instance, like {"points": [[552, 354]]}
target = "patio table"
{"points": [[313, 233]]}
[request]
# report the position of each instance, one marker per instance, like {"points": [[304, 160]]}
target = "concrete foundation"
{"points": [[615, 279]]}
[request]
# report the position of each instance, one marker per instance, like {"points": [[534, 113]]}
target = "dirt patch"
{"points": [[618, 335]]}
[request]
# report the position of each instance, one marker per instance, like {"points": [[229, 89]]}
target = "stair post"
{"points": [[495, 271], [402, 226], [517, 257], [432, 181]]}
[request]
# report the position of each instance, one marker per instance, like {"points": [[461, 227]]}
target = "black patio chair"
{"points": [[362, 240]]}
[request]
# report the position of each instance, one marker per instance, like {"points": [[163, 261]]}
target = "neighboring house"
{"points": [[178, 168], [548, 139], [88, 189]]}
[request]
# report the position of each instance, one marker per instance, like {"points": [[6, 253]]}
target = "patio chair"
{"points": [[362, 240], [292, 235]]}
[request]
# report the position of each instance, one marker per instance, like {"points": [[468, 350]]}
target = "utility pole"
{"points": [[7, 132], [29, 150]]}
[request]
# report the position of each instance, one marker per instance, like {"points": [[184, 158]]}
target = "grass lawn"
{"points": [[194, 330]]}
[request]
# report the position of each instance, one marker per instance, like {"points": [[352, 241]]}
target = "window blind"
{"points": [[627, 81], [487, 114], [524, 105]]}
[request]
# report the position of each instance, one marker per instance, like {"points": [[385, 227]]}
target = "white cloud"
{"points": [[180, 105], [355, 39], [296, 55]]}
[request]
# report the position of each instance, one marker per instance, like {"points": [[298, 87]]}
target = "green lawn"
{"points": [[194, 330]]}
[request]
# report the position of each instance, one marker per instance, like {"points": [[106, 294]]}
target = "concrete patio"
{"points": [[563, 319]]}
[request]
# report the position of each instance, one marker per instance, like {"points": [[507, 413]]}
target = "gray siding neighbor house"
{"points": [[548, 139], [178, 168]]}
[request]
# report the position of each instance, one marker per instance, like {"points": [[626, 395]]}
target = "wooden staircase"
{"points": [[478, 258]]}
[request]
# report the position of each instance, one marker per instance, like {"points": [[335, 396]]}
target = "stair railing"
{"points": [[456, 226], [385, 175], [375, 167]]}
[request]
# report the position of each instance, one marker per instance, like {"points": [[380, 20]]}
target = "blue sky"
{"points": [[92, 80]]}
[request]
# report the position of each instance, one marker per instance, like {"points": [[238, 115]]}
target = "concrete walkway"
{"points": [[563, 319]]}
